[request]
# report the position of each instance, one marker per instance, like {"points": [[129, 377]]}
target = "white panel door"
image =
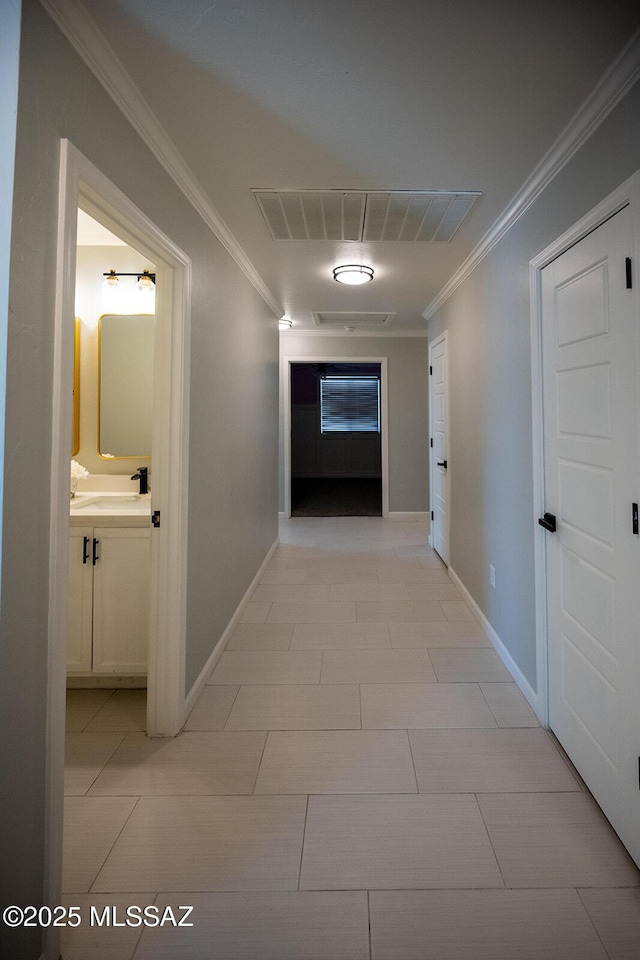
{"points": [[590, 363], [439, 447]]}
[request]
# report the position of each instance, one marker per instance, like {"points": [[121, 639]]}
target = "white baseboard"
{"points": [[407, 515], [216, 653], [106, 680], [392, 515], [499, 646]]}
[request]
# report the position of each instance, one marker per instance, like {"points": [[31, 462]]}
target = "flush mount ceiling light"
{"points": [[353, 274], [284, 324]]}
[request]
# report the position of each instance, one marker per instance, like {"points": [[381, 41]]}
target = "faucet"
{"points": [[143, 476]]}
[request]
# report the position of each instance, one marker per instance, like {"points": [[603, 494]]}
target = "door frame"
{"points": [[627, 194], [441, 338], [82, 185], [384, 422]]}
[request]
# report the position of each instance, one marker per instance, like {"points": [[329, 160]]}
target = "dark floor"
{"points": [[346, 497]]}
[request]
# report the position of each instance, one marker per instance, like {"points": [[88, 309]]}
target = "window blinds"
{"points": [[350, 404]]}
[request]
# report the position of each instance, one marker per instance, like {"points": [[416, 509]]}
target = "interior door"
{"points": [[590, 364], [439, 447]]}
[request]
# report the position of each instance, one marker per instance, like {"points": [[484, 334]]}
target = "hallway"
{"points": [[360, 780]]}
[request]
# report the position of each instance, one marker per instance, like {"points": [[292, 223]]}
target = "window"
{"points": [[350, 404]]}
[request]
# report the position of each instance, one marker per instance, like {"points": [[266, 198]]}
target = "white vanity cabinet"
{"points": [[109, 570]]}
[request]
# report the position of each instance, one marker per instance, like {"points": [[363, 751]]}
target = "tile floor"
{"points": [[359, 780]]}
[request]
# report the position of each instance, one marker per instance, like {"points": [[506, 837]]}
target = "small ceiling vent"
{"points": [[392, 215], [352, 319]]}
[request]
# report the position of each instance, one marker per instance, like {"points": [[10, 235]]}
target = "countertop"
{"points": [[108, 508]]}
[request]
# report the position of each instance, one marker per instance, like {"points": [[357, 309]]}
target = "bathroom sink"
{"points": [[112, 503]]}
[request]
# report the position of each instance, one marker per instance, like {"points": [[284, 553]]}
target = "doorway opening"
{"points": [[109, 553], [84, 187], [336, 450]]}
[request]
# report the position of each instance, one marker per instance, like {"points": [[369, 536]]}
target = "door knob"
{"points": [[548, 522], [442, 463]]}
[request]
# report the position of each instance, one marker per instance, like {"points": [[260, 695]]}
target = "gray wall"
{"points": [[233, 422], [15, 879], [408, 406], [9, 71], [488, 319]]}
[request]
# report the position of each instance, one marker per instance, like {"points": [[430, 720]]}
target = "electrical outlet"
{"points": [[492, 575]]}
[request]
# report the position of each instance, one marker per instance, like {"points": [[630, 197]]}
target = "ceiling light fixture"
{"points": [[284, 323], [353, 274]]}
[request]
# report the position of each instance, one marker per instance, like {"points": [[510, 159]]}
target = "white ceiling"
{"points": [[420, 95], [93, 234]]}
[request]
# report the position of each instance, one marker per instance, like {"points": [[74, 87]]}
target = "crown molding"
{"points": [[615, 83], [71, 17]]}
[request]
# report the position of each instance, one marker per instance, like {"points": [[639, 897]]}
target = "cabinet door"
{"points": [[121, 600], [80, 620]]}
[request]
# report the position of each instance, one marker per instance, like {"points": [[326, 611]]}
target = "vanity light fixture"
{"points": [[145, 278], [146, 281], [353, 273]]}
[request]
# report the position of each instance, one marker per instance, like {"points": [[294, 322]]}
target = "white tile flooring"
{"points": [[359, 780]]}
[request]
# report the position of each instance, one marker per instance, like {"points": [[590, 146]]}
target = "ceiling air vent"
{"points": [[392, 215], [352, 319], [312, 215]]}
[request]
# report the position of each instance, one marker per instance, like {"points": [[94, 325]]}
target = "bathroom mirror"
{"points": [[125, 408]]}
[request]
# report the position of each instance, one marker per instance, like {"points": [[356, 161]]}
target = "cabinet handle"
{"points": [[85, 549], [95, 551]]}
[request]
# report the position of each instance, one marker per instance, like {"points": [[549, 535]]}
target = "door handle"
{"points": [[442, 463], [85, 549], [548, 522], [95, 551]]}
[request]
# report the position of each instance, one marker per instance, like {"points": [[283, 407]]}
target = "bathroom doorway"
{"points": [[110, 561], [84, 187]]}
